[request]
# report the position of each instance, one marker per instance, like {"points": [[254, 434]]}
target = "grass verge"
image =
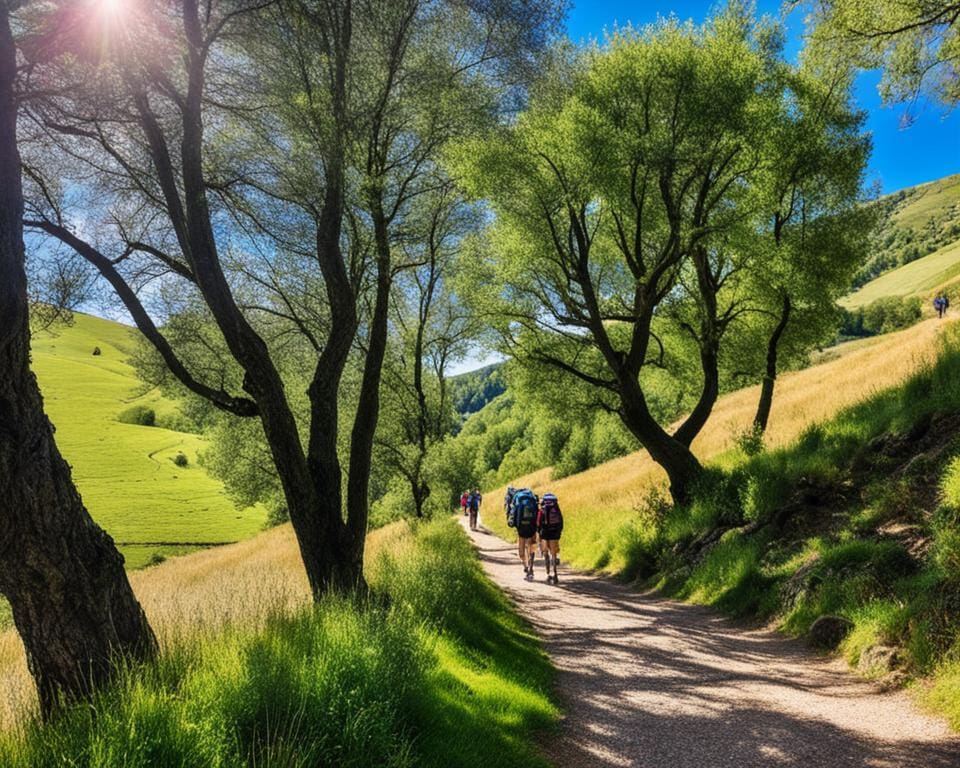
{"points": [[858, 518], [434, 669]]}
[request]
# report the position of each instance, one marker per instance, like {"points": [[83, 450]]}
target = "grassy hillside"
{"points": [[915, 222], [126, 472], [441, 673], [922, 277], [599, 502]]}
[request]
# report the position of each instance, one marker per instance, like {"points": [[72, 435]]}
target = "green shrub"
{"points": [[750, 441], [139, 415], [946, 542], [181, 459], [885, 315]]}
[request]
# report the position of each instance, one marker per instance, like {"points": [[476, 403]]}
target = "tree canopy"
{"points": [[639, 200]]}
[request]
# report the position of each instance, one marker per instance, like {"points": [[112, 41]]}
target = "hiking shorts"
{"points": [[526, 533], [546, 535]]}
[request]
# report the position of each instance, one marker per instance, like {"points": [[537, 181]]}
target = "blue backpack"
{"points": [[524, 509]]}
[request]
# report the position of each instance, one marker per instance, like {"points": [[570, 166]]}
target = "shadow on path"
{"points": [[652, 683]]}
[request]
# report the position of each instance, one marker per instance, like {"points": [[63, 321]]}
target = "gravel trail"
{"points": [[651, 683]]}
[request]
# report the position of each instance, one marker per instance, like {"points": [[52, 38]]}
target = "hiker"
{"points": [[523, 517], [473, 504], [940, 304], [550, 528], [464, 501], [508, 501]]}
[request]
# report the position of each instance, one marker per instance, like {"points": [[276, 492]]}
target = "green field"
{"points": [[918, 277], [126, 472], [935, 199]]}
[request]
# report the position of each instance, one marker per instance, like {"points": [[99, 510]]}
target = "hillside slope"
{"points": [[938, 271], [125, 472], [600, 501], [851, 515], [915, 222]]}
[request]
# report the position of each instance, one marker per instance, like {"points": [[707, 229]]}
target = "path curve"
{"points": [[651, 683]]}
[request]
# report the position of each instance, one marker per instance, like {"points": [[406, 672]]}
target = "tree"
{"points": [[64, 579], [435, 330], [605, 194], [629, 198], [916, 42], [222, 136], [819, 229]]}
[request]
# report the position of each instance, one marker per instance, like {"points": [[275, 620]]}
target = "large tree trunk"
{"points": [[678, 461], [368, 402], [765, 403], [71, 601]]}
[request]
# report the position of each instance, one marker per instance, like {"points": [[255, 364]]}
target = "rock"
{"points": [[805, 577], [893, 681], [828, 631], [877, 660], [96, 351]]}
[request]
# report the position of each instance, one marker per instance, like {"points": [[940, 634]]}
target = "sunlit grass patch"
{"points": [[944, 693], [434, 670]]}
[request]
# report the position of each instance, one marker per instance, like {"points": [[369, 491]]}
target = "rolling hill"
{"points": [[914, 222], [602, 500], [938, 271], [125, 472]]}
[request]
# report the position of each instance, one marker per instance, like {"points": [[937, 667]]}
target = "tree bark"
{"points": [[71, 600], [368, 402], [765, 403], [678, 461]]}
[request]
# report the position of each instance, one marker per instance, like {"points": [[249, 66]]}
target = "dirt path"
{"points": [[653, 683]]}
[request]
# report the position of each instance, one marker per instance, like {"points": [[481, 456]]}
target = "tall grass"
{"points": [[835, 556], [433, 670]]}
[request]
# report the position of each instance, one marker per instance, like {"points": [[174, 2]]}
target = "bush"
{"points": [[750, 441], [946, 542], [181, 459], [139, 415], [885, 315]]}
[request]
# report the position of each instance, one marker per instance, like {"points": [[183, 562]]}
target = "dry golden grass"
{"points": [[239, 585], [597, 502]]}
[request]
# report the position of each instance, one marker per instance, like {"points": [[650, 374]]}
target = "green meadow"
{"points": [[935, 199], [126, 472], [918, 277]]}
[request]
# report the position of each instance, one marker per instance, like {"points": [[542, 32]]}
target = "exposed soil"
{"points": [[653, 683]]}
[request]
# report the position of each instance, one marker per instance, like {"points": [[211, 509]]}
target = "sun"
{"points": [[110, 6], [110, 11]]}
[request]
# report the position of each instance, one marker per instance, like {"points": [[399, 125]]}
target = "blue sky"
{"points": [[928, 149]]}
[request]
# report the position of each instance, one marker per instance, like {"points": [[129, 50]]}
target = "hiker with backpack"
{"points": [[523, 516], [464, 502], [508, 500], [550, 528], [473, 504], [941, 304]]}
